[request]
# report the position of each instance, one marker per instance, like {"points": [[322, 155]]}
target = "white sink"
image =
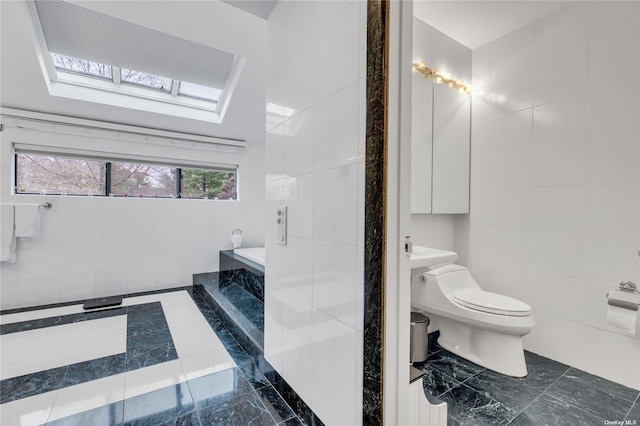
{"points": [[425, 257]]}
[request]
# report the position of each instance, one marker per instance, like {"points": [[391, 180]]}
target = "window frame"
{"points": [[117, 85], [177, 171]]}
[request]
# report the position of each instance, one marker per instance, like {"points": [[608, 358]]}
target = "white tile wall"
{"points": [[95, 246], [555, 202], [314, 292]]}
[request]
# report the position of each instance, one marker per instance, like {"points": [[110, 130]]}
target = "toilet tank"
{"points": [[451, 278]]}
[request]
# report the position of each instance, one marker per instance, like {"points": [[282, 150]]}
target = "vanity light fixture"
{"points": [[440, 77]]}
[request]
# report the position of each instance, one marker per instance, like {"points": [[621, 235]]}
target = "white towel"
{"points": [[7, 237], [27, 220]]}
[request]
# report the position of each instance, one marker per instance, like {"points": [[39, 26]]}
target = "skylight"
{"points": [[82, 66], [145, 79], [141, 79], [94, 57]]}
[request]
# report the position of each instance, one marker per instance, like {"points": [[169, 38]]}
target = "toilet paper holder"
{"points": [[629, 286], [624, 296]]}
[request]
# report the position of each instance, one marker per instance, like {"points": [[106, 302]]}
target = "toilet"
{"points": [[482, 327]]}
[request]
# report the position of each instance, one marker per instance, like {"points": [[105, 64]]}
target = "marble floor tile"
{"points": [[32, 384], [107, 415], [278, 409], [159, 407], [145, 380], [436, 382], [88, 396], [634, 413], [547, 410], [472, 408], [589, 399], [510, 391], [453, 366], [604, 385], [206, 363], [542, 372], [34, 410]]}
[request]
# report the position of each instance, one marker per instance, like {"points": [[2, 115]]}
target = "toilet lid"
{"points": [[491, 302]]}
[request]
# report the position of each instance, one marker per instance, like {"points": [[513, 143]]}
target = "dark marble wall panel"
{"points": [[375, 191], [237, 270]]}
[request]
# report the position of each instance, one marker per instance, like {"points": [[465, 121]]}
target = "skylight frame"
{"points": [[88, 88], [130, 88]]}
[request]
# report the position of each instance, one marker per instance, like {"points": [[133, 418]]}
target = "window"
{"points": [[145, 80], [82, 66], [37, 173]]}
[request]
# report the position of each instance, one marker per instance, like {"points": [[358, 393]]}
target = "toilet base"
{"points": [[502, 353]]}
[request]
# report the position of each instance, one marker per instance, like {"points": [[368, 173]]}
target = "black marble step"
{"points": [[240, 311]]}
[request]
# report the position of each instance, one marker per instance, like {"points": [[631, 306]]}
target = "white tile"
{"points": [[76, 222], [548, 87], [336, 129], [273, 326], [512, 71], [298, 31], [559, 253], [558, 166], [9, 290], [297, 268], [298, 197], [39, 291], [77, 287], [613, 34], [299, 77], [613, 209], [87, 396], [274, 153], [507, 247], [560, 122], [149, 379], [507, 170], [328, 406], [613, 160], [503, 209], [337, 55], [38, 263], [327, 11], [206, 363], [297, 321], [298, 144], [275, 43], [621, 364], [30, 411], [335, 205], [560, 209], [611, 258], [614, 111], [336, 281], [557, 339], [562, 32], [275, 101], [557, 296], [508, 132], [334, 357]]}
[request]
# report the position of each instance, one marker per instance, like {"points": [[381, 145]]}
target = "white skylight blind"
{"points": [[81, 33]]}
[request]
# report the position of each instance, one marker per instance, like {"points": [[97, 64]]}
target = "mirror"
{"points": [[441, 126]]}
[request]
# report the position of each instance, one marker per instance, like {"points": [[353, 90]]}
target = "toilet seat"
{"points": [[492, 303]]}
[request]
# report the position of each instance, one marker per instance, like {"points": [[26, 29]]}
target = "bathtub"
{"points": [[254, 254]]}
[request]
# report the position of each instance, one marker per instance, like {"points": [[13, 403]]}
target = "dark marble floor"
{"points": [[241, 395], [552, 394]]}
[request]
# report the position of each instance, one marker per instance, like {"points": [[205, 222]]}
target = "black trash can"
{"points": [[419, 345]]}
